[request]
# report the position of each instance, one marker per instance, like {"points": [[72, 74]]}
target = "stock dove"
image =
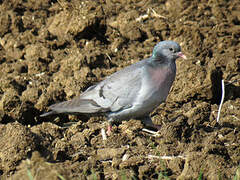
{"points": [[133, 92]]}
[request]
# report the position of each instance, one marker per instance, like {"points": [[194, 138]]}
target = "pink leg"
{"points": [[109, 130]]}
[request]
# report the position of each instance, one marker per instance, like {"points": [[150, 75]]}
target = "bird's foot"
{"points": [[109, 130], [158, 127], [149, 123]]}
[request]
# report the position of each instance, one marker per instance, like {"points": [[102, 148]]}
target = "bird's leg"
{"points": [[109, 130], [148, 122]]}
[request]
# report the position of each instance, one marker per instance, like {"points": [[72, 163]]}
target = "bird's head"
{"points": [[167, 50]]}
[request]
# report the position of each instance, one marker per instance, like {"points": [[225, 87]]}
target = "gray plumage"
{"points": [[132, 92]]}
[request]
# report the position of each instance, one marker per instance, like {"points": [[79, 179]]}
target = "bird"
{"points": [[130, 93]]}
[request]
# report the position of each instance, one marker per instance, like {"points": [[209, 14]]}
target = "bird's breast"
{"points": [[162, 78], [156, 86]]}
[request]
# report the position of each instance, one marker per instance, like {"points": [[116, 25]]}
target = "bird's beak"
{"points": [[180, 54]]}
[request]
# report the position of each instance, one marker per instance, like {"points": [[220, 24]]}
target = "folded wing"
{"points": [[116, 92]]}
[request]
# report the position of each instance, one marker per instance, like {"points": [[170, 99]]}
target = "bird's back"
{"points": [[112, 94]]}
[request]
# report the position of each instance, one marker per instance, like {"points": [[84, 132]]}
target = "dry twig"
{"points": [[165, 157], [154, 133], [222, 99], [104, 136], [152, 13]]}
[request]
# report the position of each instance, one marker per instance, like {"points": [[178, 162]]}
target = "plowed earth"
{"points": [[51, 51]]}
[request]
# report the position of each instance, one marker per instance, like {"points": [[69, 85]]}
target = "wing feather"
{"points": [[116, 92]]}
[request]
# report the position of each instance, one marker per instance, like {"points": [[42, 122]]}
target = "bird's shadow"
{"points": [[232, 91]]}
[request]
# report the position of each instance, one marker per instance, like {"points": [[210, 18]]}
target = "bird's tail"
{"points": [[76, 105], [48, 113]]}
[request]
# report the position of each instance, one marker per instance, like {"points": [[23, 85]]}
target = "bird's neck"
{"points": [[156, 61], [161, 74]]}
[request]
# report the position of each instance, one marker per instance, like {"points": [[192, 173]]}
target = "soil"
{"points": [[52, 51]]}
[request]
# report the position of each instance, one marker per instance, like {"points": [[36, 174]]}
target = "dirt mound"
{"points": [[51, 51]]}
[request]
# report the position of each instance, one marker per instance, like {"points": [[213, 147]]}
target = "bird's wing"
{"points": [[116, 92], [119, 90]]}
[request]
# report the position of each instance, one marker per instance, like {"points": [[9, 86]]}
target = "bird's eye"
{"points": [[171, 49]]}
